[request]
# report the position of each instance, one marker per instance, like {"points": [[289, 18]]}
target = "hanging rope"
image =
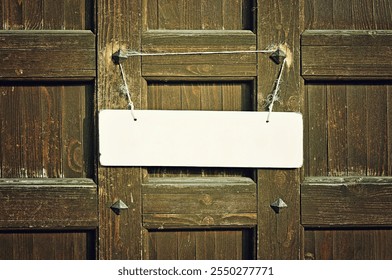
{"points": [[135, 53], [126, 90], [274, 96]]}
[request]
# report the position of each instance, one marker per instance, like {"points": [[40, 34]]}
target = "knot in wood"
{"points": [[208, 220], [206, 199]]}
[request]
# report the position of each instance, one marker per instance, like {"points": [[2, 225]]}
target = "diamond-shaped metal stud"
{"points": [[118, 206], [119, 56], [278, 56], [278, 204]]}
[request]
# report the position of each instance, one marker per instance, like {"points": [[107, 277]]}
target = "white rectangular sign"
{"points": [[200, 139]]}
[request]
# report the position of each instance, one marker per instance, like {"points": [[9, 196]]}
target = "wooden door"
{"points": [[48, 200], [337, 74], [198, 213], [346, 194]]}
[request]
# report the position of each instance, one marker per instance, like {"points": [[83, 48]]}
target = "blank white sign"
{"points": [[200, 139]]}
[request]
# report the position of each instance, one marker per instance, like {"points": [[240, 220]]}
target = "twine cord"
{"points": [[275, 94], [126, 89], [136, 53]]}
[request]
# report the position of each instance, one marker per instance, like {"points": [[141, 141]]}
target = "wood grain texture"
{"points": [[279, 234], [197, 15], [201, 244], [346, 201], [231, 65], [45, 55], [37, 203], [342, 54], [194, 202], [47, 245], [347, 244], [120, 235]]}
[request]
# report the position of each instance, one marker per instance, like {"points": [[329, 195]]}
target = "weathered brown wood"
{"points": [[341, 54], [346, 201], [279, 234], [337, 130], [44, 245], [43, 204], [231, 65], [190, 202], [120, 235], [46, 55], [196, 14]]}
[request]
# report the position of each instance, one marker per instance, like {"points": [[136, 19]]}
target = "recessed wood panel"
{"points": [[47, 245], [199, 14], [228, 244], [195, 202]]}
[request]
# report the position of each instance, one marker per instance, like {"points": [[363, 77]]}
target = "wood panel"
{"points": [[120, 235], [346, 201], [348, 244], [49, 139], [198, 14], [44, 55], [201, 244], [342, 54], [46, 14], [49, 203], [175, 66], [47, 245], [195, 202]]}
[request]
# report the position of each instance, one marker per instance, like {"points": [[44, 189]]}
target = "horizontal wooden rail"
{"points": [[48, 203], [346, 54], [47, 55], [212, 65], [346, 201]]}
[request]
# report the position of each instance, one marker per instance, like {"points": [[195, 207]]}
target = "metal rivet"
{"points": [[278, 56], [119, 56], [118, 206], [278, 204]]}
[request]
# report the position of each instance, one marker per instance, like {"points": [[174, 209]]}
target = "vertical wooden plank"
{"points": [[33, 15], [309, 244], [317, 155], [389, 128], [377, 130], [190, 96], [31, 133], [232, 14], [363, 16], [150, 14], [324, 244], [74, 14], [2, 21], [342, 14], [167, 247], [51, 132], [170, 14], [364, 244], [356, 130], [226, 245], [73, 116], [343, 246], [321, 13], [279, 235], [382, 14], [13, 14], [186, 245], [337, 134], [205, 245], [192, 14], [211, 97], [211, 14], [53, 13], [119, 235], [10, 132]]}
